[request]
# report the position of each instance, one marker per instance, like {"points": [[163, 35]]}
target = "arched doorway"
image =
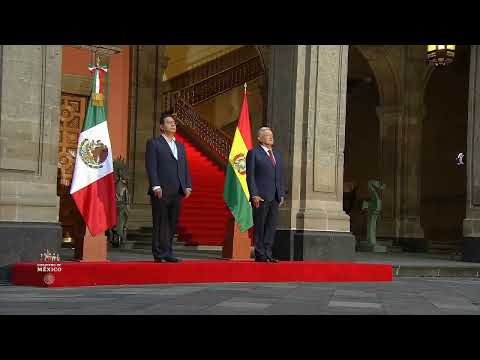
{"points": [[443, 189], [361, 139]]}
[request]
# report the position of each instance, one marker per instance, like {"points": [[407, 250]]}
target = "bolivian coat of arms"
{"points": [[240, 164]]}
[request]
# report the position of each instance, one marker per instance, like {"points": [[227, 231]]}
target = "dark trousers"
{"points": [[165, 213], [265, 220]]}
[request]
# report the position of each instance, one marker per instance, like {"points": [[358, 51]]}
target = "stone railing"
{"points": [[215, 84], [217, 141], [221, 63]]}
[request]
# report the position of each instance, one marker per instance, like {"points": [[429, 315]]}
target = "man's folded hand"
{"points": [[256, 201]]}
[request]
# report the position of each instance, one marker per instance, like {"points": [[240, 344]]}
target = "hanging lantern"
{"points": [[440, 54]]}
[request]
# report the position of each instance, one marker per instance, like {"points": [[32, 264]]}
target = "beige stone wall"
{"points": [[471, 224], [307, 110], [145, 91], [29, 120], [326, 123]]}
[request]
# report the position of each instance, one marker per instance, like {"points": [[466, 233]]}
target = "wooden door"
{"points": [[72, 115]]}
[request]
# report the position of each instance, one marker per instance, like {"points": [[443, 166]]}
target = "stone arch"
{"points": [[445, 129], [385, 75], [361, 139], [380, 59]]}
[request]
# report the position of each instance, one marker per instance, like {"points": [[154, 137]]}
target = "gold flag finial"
{"points": [[245, 86]]}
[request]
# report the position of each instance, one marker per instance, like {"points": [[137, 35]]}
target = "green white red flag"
{"points": [[93, 184]]}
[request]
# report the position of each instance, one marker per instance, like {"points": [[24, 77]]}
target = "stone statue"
{"points": [[373, 207], [118, 234]]}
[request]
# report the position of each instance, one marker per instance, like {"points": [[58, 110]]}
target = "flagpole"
{"points": [[236, 244]]}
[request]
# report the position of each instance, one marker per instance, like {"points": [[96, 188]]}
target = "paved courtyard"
{"points": [[422, 296]]}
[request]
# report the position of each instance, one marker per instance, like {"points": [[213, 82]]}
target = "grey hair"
{"points": [[262, 130]]}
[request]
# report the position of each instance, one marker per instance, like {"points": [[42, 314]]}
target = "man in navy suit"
{"points": [[265, 184], [170, 182]]}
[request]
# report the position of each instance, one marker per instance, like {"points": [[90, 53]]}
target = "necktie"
{"points": [[272, 159]]}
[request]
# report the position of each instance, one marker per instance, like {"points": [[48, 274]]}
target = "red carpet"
{"points": [[74, 274], [204, 215]]}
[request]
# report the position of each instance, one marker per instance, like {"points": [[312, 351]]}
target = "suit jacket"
{"points": [[264, 179], [163, 169]]}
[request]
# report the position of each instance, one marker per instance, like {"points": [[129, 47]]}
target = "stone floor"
{"points": [[419, 296], [405, 295]]}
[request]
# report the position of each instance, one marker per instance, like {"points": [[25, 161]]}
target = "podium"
{"points": [[236, 245], [91, 248]]}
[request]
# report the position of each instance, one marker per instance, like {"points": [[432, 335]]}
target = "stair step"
{"points": [[214, 196], [205, 210], [201, 222], [215, 236], [203, 229], [443, 245], [394, 249], [199, 206], [204, 216]]}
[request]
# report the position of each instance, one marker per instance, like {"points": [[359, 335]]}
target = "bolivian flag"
{"points": [[235, 191]]}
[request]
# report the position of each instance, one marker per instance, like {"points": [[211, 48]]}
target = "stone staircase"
{"points": [[391, 247], [451, 248], [141, 240]]}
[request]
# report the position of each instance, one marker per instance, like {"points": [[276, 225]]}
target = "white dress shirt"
{"points": [[267, 150], [173, 146]]}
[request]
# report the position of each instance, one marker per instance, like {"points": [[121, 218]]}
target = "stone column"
{"points": [[307, 100], [389, 120], [148, 66], [471, 224], [410, 231], [30, 94]]}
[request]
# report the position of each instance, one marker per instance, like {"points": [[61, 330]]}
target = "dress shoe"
{"points": [[172, 259], [272, 260], [159, 260], [261, 260]]}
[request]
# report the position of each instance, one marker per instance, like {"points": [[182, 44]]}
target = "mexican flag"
{"points": [[235, 192], [93, 184]]}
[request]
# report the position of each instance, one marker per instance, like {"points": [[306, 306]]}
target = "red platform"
{"points": [[74, 274]]}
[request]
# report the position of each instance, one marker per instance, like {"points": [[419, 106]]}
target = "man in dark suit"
{"points": [[265, 184], [169, 180]]}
